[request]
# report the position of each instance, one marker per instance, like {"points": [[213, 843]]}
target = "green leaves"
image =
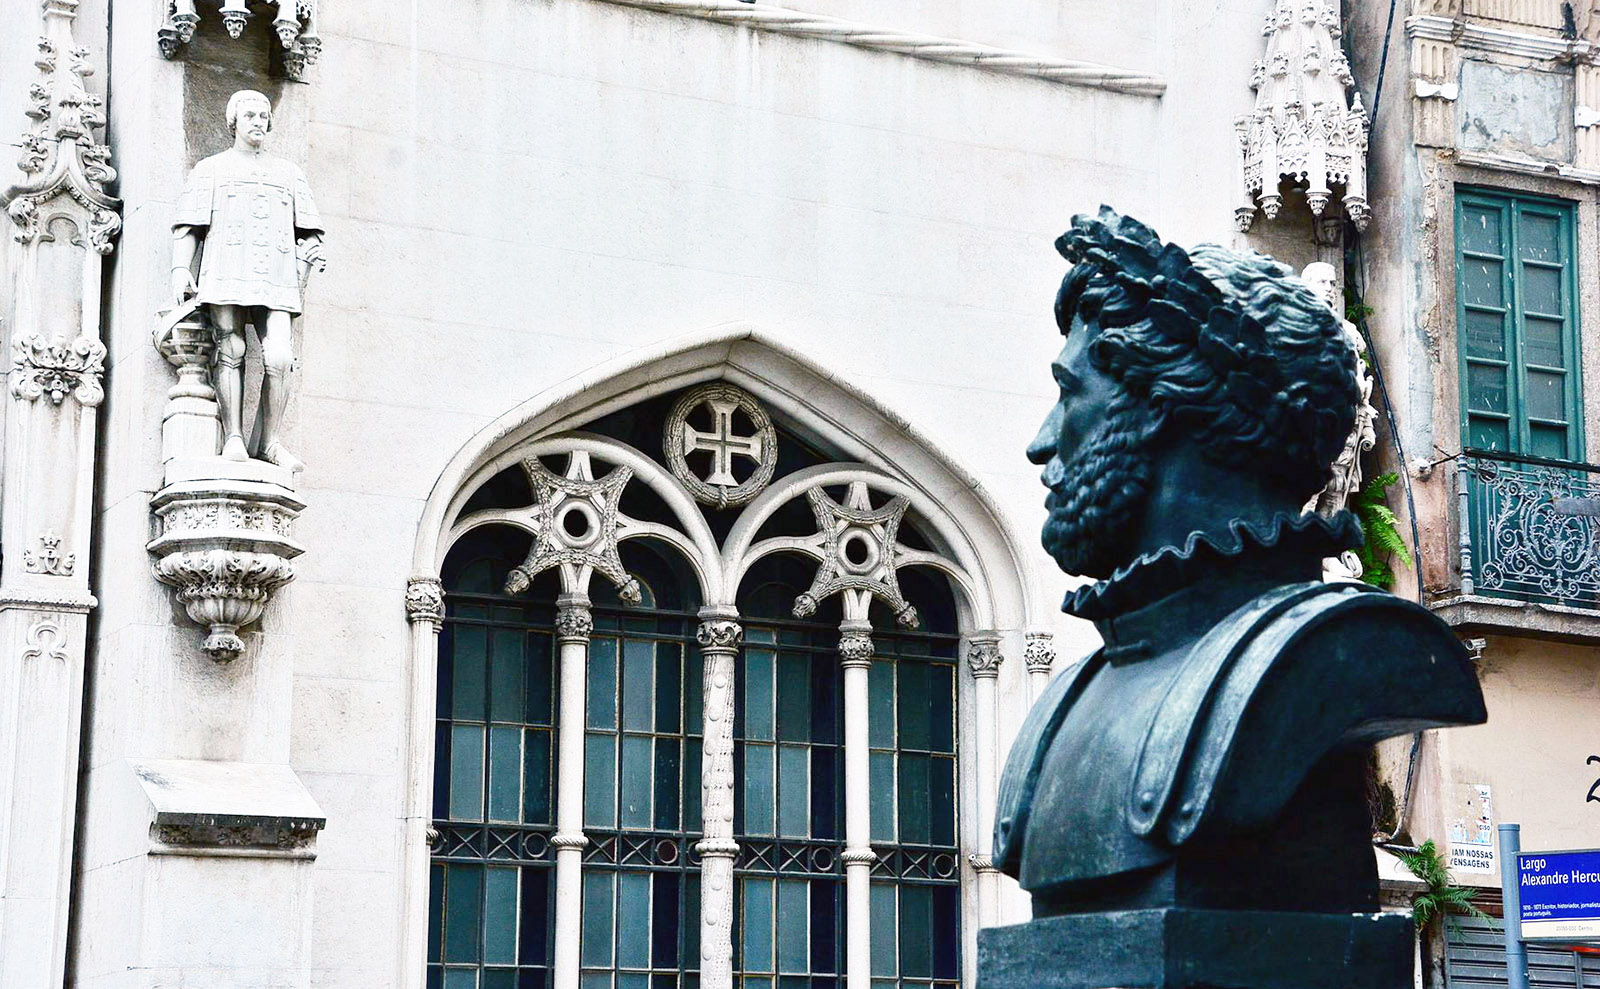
{"points": [[1381, 527], [1442, 897]]}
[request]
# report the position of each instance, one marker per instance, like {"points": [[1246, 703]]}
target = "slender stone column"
{"points": [[719, 637], [855, 655], [57, 224], [425, 612], [573, 627], [983, 658], [1039, 656]]}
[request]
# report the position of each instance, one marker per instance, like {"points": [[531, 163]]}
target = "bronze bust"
{"points": [[1212, 756]]}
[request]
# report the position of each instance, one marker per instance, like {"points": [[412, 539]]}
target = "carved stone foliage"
{"points": [[280, 834], [722, 633], [574, 624], [719, 487], [855, 648], [46, 639], [66, 168], [49, 559], [425, 600], [294, 24], [1038, 652], [225, 546], [54, 368], [859, 551], [984, 657], [574, 521], [1303, 128]]}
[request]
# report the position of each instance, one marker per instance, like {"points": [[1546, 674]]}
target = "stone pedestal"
{"points": [[224, 543], [1177, 948]]}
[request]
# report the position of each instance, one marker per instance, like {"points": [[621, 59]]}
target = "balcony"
{"points": [[1530, 549]]}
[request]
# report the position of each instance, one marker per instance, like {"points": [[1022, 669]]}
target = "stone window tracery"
{"points": [[755, 768]]}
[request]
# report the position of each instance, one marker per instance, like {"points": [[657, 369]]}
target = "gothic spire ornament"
{"points": [[67, 169], [1303, 128]]}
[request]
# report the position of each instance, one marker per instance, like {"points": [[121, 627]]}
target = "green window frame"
{"points": [[1517, 325]]}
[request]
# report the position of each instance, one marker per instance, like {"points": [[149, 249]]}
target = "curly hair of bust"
{"points": [[1220, 348]]}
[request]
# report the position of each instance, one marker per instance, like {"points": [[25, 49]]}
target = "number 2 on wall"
{"points": [[1594, 790]]}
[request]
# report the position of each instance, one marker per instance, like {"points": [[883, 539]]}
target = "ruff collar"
{"points": [[1154, 575]]}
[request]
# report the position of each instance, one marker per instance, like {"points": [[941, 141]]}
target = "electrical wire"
{"points": [[1360, 293]]}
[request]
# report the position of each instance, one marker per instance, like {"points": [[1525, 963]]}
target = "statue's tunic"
{"points": [[255, 207]]}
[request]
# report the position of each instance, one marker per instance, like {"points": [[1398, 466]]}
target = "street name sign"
{"points": [[1560, 895]]}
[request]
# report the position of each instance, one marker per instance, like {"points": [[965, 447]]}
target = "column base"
{"points": [[1177, 948]]}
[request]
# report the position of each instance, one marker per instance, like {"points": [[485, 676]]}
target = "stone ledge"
{"points": [[780, 20], [1476, 613], [228, 809]]}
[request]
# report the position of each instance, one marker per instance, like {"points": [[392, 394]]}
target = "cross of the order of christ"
{"points": [[721, 442]]}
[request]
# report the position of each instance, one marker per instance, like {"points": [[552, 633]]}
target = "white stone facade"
{"points": [[538, 214]]}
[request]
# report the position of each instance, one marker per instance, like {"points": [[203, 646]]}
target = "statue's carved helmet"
{"points": [[1225, 350], [243, 96]]}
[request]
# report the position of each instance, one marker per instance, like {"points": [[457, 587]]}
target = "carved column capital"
{"points": [[720, 634], [424, 600], [574, 623], [1039, 652], [984, 656], [855, 647]]}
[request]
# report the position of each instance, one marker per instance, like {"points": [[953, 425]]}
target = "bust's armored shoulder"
{"points": [[1298, 672]]}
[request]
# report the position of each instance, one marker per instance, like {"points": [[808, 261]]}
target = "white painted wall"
{"points": [[517, 190]]}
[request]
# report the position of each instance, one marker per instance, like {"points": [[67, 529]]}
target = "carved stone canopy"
{"points": [[67, 169], [1303, 128], [294, 24]]}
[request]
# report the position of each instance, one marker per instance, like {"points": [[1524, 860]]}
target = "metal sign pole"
{"points": [[1511, 902]]}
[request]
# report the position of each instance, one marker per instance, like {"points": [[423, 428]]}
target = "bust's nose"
{"points": [[1043, 446]]}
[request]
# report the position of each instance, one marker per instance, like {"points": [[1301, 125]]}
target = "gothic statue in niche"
{"points": [[1344, 479], [250, 218], [1187, 806]]}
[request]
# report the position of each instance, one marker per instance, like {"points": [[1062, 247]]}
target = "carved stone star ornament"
{"points": [[574, 521], [859, 551]]}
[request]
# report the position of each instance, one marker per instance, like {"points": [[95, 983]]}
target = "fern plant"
{"points": [[1380, 526], [1442, 897]]}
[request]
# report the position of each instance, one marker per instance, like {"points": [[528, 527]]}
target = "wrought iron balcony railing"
{"points": [[1532, 528]]}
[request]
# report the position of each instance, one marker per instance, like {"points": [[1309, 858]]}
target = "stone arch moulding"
{"points": [[996, 594]]}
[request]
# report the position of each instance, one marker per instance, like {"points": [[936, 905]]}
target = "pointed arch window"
{"points": [[579, 838]]}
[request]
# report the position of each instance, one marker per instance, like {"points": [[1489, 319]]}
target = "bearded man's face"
{"points": [[1092, 446]]}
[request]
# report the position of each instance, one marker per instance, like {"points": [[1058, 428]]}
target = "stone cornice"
{"points": [[1466, 34], [780, 20]]}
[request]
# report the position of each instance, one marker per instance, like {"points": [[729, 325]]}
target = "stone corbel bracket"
{"points": [[294, 23], [228, 809], [225, 546]]}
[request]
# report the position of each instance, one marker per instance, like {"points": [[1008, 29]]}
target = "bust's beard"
{"points": [[1096, 506]]}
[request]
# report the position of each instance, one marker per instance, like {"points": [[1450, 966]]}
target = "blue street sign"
{"points": [[1560, 895]]}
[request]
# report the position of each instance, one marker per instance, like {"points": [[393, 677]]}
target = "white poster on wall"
{"points": [[1472, 836]]}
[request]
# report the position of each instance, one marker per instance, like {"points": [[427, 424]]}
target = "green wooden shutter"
{"points": [[1517, 323]]}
